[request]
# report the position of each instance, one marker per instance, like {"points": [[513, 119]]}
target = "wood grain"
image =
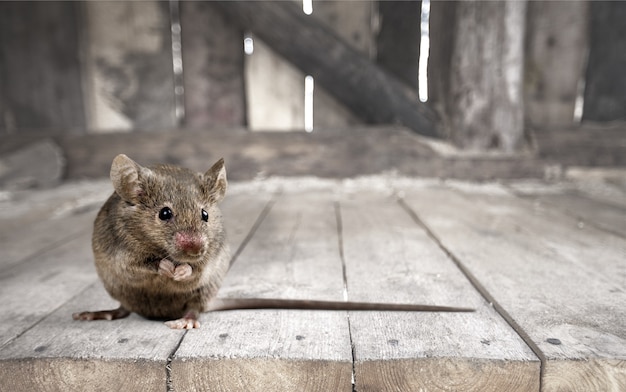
{"points": [[555, 54], [604, 81], [213, 68], [67, 355], [607, 216], [129, 83], [390, 258], [560, 284], [294, 254], [41, 71], [32, 221], [32, 290]]}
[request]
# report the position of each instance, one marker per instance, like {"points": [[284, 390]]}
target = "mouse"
{"points": [[160, 249], [159, 243]]}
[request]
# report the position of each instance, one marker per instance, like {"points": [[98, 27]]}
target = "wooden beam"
{"points": [[352, 78], [398, 42], [604, 89]]}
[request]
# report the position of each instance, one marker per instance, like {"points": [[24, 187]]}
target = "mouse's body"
{"points": [[158, 241]]}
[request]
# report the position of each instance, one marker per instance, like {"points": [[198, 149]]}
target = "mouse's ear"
{"points": [[216, 181], [126, 177]]}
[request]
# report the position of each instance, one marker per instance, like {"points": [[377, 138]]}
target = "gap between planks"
{"points": [[480, 288], [337, 207], [266, 209]]}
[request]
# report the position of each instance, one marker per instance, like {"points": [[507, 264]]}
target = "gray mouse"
{"points": [[160, 249], [159, 243]]}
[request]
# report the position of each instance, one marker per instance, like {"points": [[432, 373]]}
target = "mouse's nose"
{"points": [[190, 243]]}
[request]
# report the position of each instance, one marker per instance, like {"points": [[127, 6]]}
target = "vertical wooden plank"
{"points": [[40, 85], [398, 42], [605, 79], [285, 89], [485, 103], [213, 68], [351, 21], [442, 17], [389, 258], [293, 254], [128, 75], [556, 53], [274, 102]]}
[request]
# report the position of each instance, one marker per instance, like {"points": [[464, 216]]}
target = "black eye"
{"points": [[205, 216], [165, 213]]}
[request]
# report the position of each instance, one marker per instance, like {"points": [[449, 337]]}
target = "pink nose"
{"points": [[189, 243]]}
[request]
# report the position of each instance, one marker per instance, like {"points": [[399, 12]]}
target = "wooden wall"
{"points": [[40, 84], [127, 66], [100, 66]]}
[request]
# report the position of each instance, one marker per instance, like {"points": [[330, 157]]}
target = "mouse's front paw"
{"points": [[178, 272], [167, 268], [182, 272]]}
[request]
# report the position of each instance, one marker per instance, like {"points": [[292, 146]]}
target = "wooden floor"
{"points": [[544, 265]]}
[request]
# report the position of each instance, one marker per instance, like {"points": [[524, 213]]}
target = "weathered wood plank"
{"points": [[339, 153], [276, 102], [607, 185], [241, 213], [294, 254], [213, 73], [390, 258], [605, 81], [352, 22], [555, 57], [62, 354], [23, 242], [40, 85], [33, 289], [610, 217], [440, 53], [562, 286], [128, 70], [34, 221], [483, 106], [398, 41]]}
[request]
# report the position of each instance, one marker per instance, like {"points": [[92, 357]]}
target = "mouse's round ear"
{"points": [[126, 176], [215, 180]]}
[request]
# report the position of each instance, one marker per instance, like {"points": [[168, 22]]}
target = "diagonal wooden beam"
{"points": [[352, 78]]}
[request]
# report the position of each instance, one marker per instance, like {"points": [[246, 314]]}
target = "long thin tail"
{"points": [[268, 303]]}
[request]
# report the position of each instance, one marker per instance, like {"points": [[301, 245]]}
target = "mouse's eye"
{"points": [[205, 216], [166, 213]]}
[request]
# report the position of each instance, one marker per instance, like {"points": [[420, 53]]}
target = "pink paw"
{"points": [[178, 272], [183, 323]]}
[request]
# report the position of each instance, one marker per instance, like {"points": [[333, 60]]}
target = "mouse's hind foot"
{"points": [[112, 314], [188, 321]]}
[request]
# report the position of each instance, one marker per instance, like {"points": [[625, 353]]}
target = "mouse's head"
{"points": [[170, 210]]}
